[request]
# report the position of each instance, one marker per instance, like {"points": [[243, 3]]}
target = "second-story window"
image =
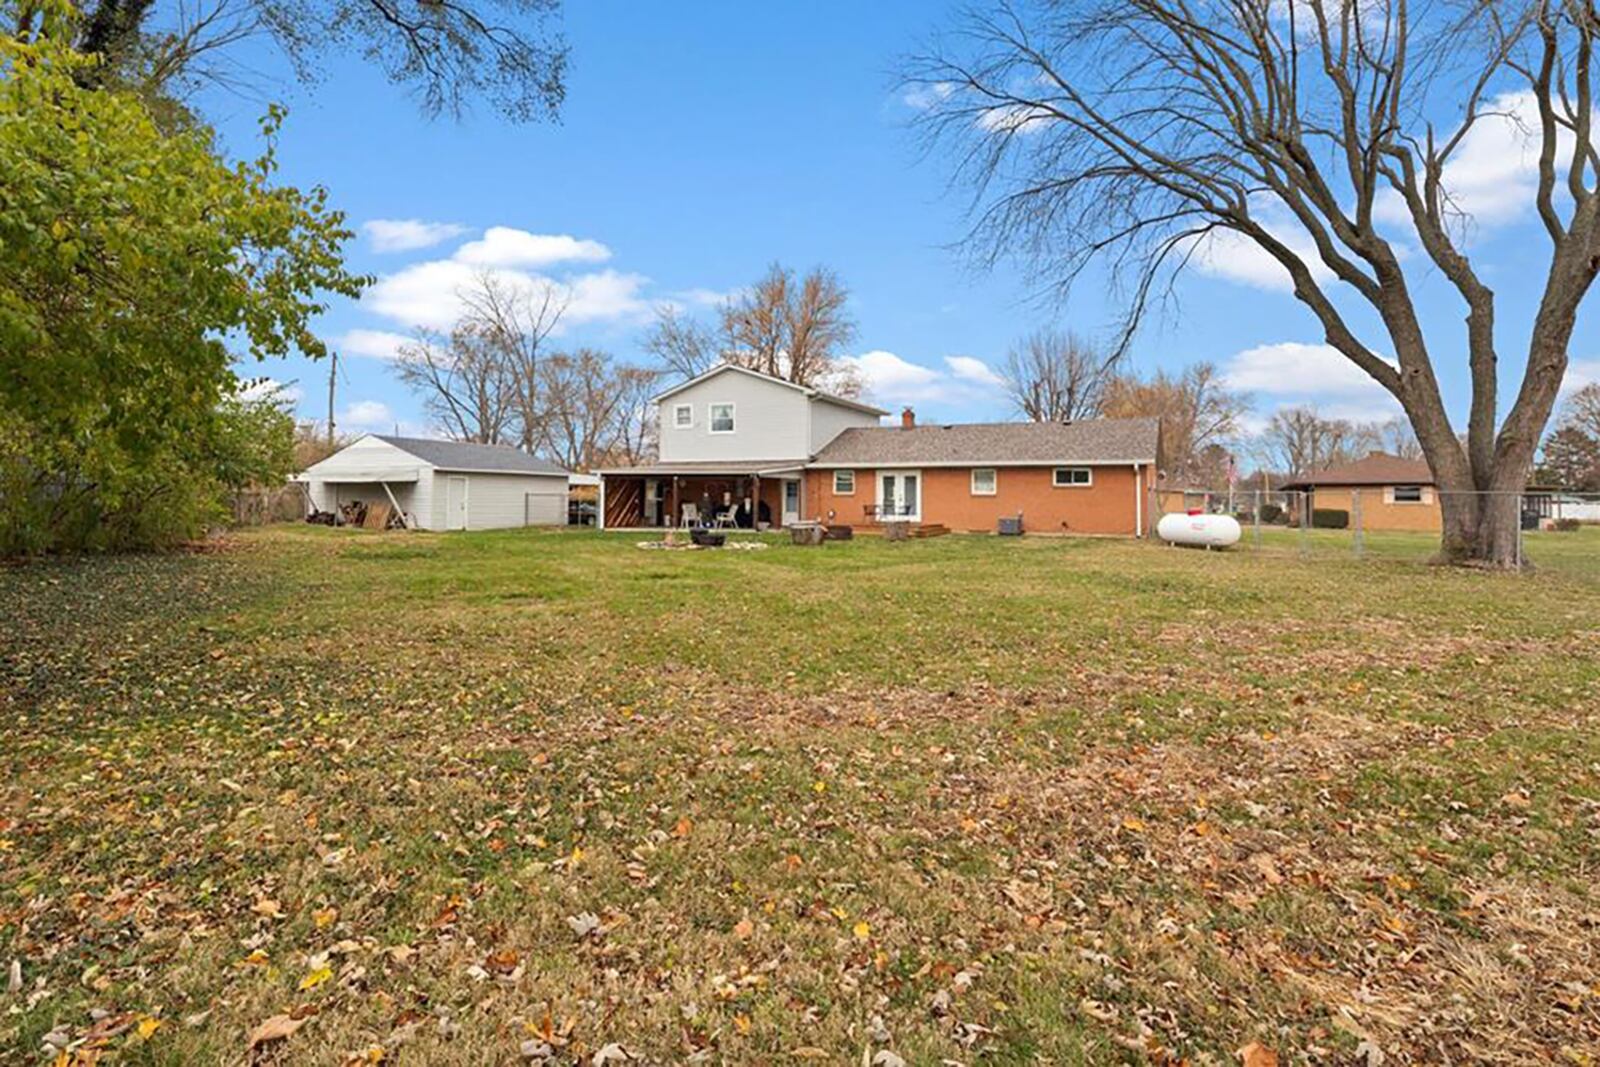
{"points": [[721, 418], [683, 416]]}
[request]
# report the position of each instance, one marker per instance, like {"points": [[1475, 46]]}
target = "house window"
{"points": [[1408, 494], [1072, 476], [721, 418], [683, 416], [983, 481], [844, 483]]}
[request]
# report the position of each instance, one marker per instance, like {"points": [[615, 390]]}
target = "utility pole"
{"points": [[333, 371]]}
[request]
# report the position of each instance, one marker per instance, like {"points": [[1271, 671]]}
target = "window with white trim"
{"points": [[984, 481], [683, 416], [1072, 477], [721, 417], [844, 483], [1407, 494]]}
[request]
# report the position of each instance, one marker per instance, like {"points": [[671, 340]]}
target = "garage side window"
{"points": [[1408, 494], [983, 481], [722, 418], [683, 416], [1066, 477], [844, 483]]}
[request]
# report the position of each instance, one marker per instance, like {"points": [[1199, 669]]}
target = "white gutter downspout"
{"points": [[600, 517], [1138, 503]]}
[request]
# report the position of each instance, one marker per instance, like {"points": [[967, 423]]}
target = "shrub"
{"points": [[1271, 513], [1330, 519], [1566, 525]]}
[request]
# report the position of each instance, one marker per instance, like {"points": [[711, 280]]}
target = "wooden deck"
{"points": [[917, 529]]}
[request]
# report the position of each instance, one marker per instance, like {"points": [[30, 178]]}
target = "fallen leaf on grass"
{"points": [[584, 925], [316, 978], [1255, 1054], [861, 931], [276, 1028], [743, 929]]}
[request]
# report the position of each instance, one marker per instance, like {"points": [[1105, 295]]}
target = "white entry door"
{"points": [[791, 501], [900, 495], [455, 504]]}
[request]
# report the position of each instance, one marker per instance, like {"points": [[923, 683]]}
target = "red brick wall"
{"points": [[1106, 507]]}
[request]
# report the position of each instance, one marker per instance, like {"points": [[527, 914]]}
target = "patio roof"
{"points": [[710, 468]]}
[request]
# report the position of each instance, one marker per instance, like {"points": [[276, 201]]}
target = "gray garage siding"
{"points": [[495, 501]]}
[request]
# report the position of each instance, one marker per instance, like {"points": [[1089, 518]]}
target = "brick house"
{"points": [[1395, 493], [745, 449]]}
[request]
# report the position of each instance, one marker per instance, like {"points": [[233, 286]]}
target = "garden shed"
{"points": [[441, 485]]}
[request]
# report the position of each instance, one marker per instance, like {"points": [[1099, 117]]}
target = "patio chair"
{"points": [[691, 515], [727, 519]]}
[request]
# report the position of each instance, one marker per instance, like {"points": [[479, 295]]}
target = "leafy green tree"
{"points": [[135, 266]]}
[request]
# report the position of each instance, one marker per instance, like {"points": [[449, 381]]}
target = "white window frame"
{"points": [[678, 420], [1057, 483], [711, 417], [994, 481], [844, 492]]}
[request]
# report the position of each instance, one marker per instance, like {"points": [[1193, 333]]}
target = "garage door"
{"points": [[545, 509]]}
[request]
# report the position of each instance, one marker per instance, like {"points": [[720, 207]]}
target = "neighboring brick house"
{"points": [[744, 449], [1396, 493]]}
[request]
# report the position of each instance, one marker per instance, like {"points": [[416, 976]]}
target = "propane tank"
{"points": [[1198, 528]]}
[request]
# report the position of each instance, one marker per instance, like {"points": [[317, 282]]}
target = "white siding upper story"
{"points": [[829, 420], [771, 419]]}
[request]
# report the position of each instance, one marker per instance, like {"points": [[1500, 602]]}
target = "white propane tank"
{"points": [[1194, 528]]}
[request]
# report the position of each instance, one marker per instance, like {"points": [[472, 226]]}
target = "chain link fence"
{"points": [[1557, 531]]}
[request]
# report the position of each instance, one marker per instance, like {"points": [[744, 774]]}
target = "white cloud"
{"points": [[925, 97], [1493, 174], [504, 246], [703, 297], [405, 235], [265, 388], [1293, 367], [373, 344], [427, 295], [1580, 372], [1234, 257], [891, 380], [970, 369], [607, 294], [372, 415], [1293, 373], [1014, 118]]}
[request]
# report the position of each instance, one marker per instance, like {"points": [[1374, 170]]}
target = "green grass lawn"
{"points": [[462, 798]]}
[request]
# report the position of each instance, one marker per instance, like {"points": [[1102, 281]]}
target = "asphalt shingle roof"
{"points": [[461, 456], [1378, 468], [1088, 441]]}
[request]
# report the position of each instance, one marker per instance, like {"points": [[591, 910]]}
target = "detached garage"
{"points": [[441, 485]]}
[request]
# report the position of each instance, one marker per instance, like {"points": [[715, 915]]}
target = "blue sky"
{"points": [[699, 143]]}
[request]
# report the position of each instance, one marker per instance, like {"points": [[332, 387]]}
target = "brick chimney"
{"points": [[908, 419]]}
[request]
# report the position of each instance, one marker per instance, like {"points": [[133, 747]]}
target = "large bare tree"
{"points": [[1055, 376], [509, 53], [1299, 440], [517, 319], [466, 386], [1196, 407], [792, 328], [1583, 410], [1135, 131]]}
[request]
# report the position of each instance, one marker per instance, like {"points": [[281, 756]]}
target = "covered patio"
{"points": [[746, 496]]}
